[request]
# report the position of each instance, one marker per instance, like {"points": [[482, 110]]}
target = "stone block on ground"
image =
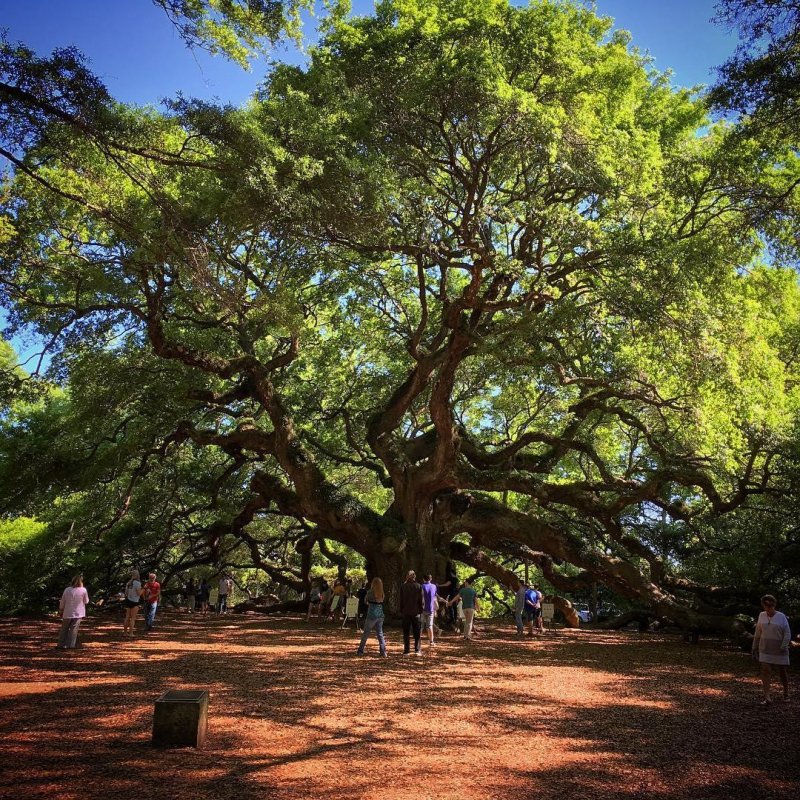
{"points": [[181, 718]]}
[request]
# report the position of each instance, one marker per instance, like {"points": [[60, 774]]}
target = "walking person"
{"points": [[469, 600], [133, 596], [430, 602], [771, 646], [152, 594], [374, 618], [411, 605], [73, 609]]}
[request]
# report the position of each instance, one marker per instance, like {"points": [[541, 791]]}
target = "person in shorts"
{"points": [[133, 596], [430, 603], [532, 605]]}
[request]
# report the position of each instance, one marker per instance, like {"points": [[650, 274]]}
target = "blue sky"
{"points": [[136, 51]]}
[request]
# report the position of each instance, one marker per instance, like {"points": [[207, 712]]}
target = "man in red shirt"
{"points": [[151, 594]]}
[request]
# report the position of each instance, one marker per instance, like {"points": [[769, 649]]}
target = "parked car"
{"points": [[583, 612]]}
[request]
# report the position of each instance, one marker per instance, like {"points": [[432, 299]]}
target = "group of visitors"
{"points": [[200, 597], [419, 604], [135, 594], [327, 602], [75, 598]]}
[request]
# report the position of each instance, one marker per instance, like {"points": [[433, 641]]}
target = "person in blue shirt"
{"points": [[532, 606]]}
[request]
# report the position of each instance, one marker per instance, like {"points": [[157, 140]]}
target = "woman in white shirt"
{"points": [[771, 646], [133, 593], [73, 609]]}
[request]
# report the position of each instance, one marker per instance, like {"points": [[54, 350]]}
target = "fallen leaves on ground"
{"points": [[294, 713]]}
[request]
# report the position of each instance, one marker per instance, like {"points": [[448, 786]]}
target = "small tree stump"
{"points": [[181, 718]]}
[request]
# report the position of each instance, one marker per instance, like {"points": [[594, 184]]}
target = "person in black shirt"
{"points": [[361, 594], [411, 611]]}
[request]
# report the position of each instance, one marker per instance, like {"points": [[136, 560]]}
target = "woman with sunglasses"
{"points": [[771, 646]]}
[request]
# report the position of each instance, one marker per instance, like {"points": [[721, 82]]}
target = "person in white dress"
{"points": [[771, 646]]}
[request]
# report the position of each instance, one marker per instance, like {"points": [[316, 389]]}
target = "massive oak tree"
{"points": [[475, 284]]}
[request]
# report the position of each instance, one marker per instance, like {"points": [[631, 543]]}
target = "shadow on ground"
{"points": [[295, 713]]}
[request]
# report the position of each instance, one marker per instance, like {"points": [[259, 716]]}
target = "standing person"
{"points": [[538, 612], [314, 601], [325, 599], [532, 602], [469, 599], [361, 594], [203, 592], [519, 606], [152, 594], [337, 598], [771, 646], [133, 596], [225, 587], [450, 590], [429, 604], [411, 610], [73, 609], [374, 618], [191, 595]]}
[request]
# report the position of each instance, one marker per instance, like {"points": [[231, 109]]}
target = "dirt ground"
{"points": [[295, 714]]}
